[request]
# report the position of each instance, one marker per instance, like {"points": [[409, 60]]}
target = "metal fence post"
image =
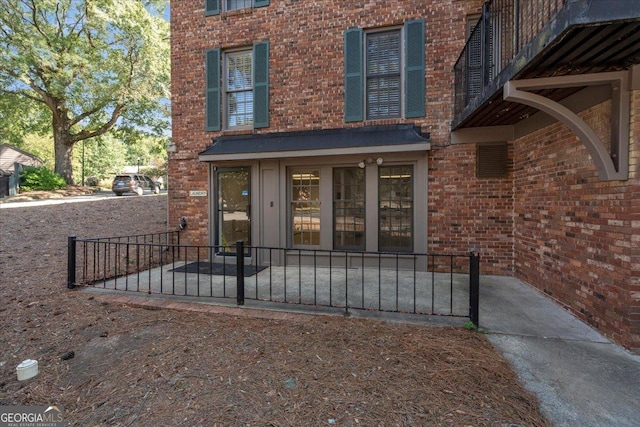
{"points": [[240, 272], [71, 262], [474, 285]]}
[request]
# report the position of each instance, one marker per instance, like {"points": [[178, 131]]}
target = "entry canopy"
{"points": [[324, 142]]}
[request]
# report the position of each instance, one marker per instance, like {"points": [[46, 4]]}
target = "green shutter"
{"points": [[212, 70], [414, 69], [211, 7], [260, 3], [353, 84], [261, 85]]}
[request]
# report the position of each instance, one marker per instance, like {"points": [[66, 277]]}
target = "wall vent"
{"points": [[491, 160]]}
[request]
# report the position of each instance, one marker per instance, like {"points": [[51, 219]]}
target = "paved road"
{"points": [[72, 199]]}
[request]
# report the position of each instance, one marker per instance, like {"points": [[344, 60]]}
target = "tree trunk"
{"points": [[63, 147]]}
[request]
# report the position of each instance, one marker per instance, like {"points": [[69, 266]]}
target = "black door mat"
{"points": [[217, 269]]}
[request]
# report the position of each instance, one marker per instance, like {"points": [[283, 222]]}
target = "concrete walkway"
{"points": [[580, 377]]}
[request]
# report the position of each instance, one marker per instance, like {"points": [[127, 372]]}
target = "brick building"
{"points": [[421, 125]]}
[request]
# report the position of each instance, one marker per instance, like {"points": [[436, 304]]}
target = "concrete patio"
{"points": [[375, 289]]}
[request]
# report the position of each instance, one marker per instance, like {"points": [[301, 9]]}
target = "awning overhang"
{"points": [[312, 143]]}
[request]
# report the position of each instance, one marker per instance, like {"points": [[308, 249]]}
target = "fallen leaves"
{"points": [[134, 366]]}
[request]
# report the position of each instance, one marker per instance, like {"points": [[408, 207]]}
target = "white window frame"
{"points": [[225, 5], [226, 110]]}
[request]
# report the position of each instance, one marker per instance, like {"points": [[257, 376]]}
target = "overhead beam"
{"points": [[580, 101], [482, 134]]}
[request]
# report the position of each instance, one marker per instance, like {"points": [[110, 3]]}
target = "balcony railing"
{"points": [[503, 30]]}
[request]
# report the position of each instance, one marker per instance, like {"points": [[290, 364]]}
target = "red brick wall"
{"points": [[464, 212], [576, 237], [551, 221], [634, 242], [306, 75], [467, 212]]}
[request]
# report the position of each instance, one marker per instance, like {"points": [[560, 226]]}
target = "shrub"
{"points": [[40, 179], [154, 173]]}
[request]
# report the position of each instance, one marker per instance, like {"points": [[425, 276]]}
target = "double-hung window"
{"points": [[237, 88], [237, 4], [383, 77], [214, 7], [385, 73]]}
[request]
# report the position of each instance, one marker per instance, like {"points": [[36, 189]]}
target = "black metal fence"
{"points": [[503, 30], [437, 284]]}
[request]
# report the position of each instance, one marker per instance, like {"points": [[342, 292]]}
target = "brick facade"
{"points": [[466, 212], [306, 77], [576, 237], [550, 222]]}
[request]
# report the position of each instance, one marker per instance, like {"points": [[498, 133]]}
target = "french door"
{"points": [[233, 208]]}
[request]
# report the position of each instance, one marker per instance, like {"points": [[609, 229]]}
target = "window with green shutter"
{"points": [[414, 69], [211, 7], [214, 7], [261, 85], [237, 88], [212, 97], [353, 87], [385, 73]]}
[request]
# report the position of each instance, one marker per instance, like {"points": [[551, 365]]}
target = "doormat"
{"points": [[217, 269]]}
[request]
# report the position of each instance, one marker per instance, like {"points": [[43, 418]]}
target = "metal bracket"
{"points": [[611, 165]]}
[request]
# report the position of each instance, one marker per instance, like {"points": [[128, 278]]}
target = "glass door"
{"points": [[233, 208]]}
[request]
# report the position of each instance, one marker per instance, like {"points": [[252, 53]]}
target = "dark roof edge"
{"points": [[323, 132], [320, 139]]}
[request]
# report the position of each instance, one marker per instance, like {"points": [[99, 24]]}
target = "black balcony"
{"points": [[525, 39]]}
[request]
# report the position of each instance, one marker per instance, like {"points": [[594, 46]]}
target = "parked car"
{"points": [[134, 183]]}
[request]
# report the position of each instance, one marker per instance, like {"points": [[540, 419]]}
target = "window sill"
{"points": [[231, 132], [234, 13]]}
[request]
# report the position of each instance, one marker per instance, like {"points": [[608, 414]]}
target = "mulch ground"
{"points": [[133, 366]]}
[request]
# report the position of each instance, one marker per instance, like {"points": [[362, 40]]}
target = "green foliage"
{"points": [[40, 146], [40, 179], [472, 327], [20, 117], [108, 154], [90, 65], [151, 150], [103, 158], [155, 173]]}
